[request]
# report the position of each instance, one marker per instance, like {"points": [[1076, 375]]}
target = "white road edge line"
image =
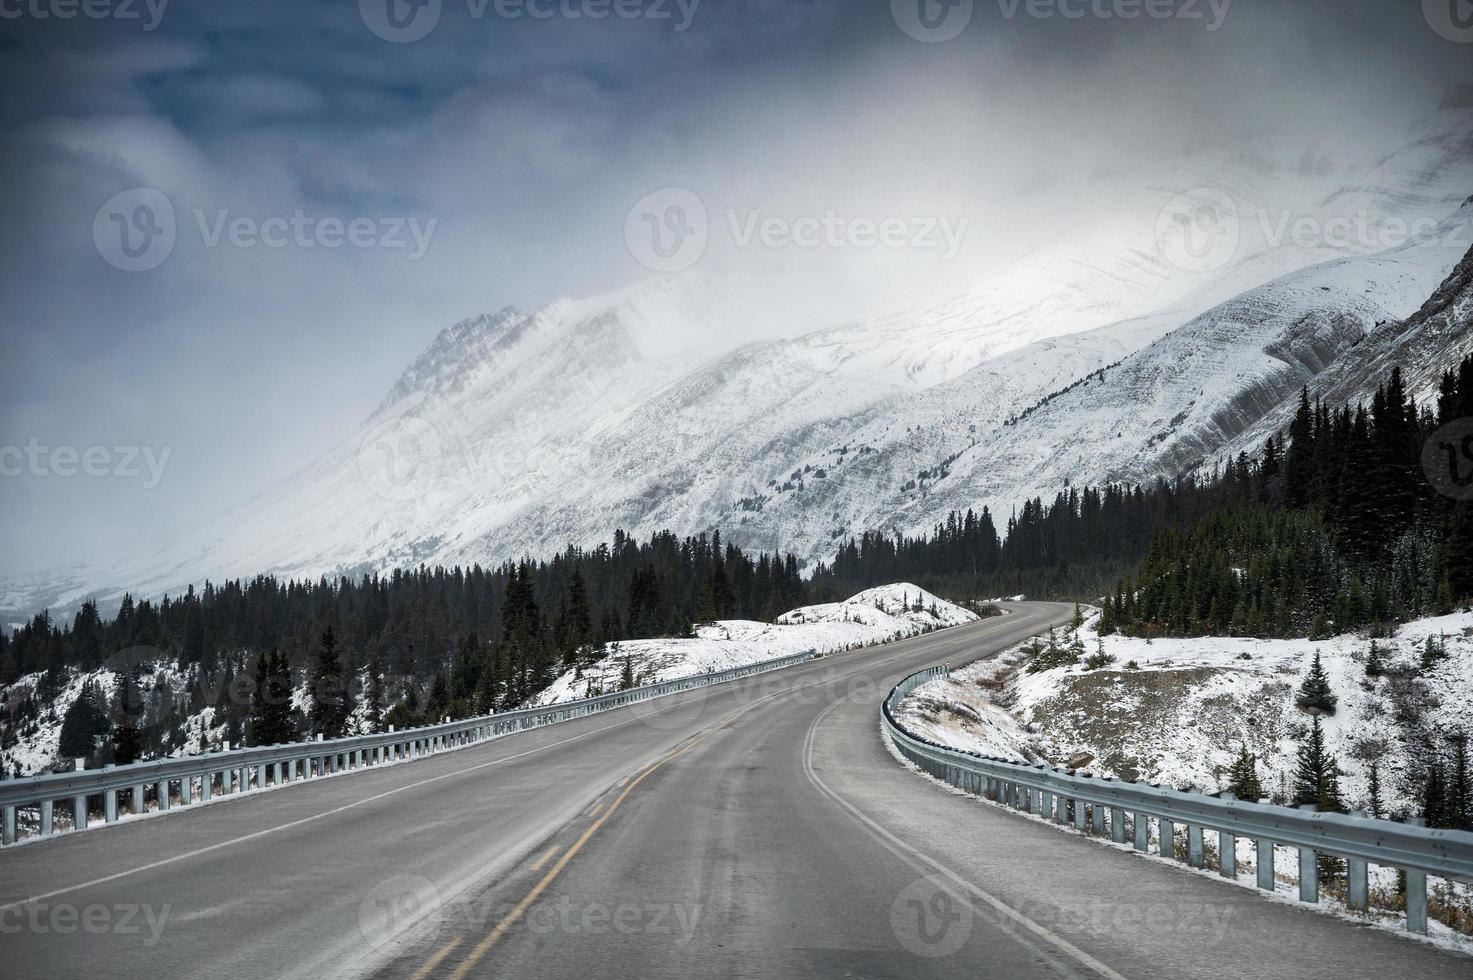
{"points": [[897, 846]]}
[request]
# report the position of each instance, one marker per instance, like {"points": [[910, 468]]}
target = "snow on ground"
{"points": [[36, 740], [877, 615], [1176, 711]]}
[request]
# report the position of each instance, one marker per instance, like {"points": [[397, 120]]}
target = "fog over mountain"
{"points": [[505, 165]]}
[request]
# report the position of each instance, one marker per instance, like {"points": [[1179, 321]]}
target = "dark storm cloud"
{"points": [[525, 140]]}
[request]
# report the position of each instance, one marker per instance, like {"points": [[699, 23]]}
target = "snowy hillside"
{"points": [[31, 730], [1177, 711], [518, 433], [878, 615]]}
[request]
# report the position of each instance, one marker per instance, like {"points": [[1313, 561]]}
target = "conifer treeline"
{"points": [[1341, 529], [410, 622], [1074, 547]]}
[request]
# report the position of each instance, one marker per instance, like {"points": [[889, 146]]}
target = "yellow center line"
{"points": [[597, 806], [484, 946], [435, 960], [537, 864]]}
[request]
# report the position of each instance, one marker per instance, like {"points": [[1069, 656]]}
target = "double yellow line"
{"points": [[520, 909]]}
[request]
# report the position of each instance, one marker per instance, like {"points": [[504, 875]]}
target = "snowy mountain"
{"points": [[521, 432], [1232, 372]]}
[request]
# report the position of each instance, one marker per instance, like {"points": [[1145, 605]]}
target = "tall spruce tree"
{"points": [[329, 714], [1317, 773], [1243, 781], [1375, 667], [1315, 695]]}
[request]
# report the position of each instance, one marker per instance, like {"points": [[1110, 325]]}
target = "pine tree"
{"points": [[84, 722], [1316, 773], [1434, 794], [260, 724], [329, 705], [1374, 805], [1243, 779], [1315, 695], [127, 740], [1460, 790], [271, 721], [373, 715], [1374, 665], [1432, 652]]}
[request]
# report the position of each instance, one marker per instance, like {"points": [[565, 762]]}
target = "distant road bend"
{"points": [[753, 829]]}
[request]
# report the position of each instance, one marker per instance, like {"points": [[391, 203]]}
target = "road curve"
{"points": [[757, 829]]}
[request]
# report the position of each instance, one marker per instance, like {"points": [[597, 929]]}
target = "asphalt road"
{"points": [[755, 829]]}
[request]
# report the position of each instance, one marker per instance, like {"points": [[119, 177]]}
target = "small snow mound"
{"points": [[889, 612]]}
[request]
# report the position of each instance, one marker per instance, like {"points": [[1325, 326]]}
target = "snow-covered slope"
{"points": [[890, 612], [1192, 704], [521, 432], [1178, 711], [1436, 337], [1228, 373]]}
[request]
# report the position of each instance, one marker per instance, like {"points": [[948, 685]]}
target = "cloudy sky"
{"points": [[230, 226]]}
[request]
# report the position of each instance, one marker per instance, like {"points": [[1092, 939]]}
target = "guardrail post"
{"points": [[1416, 901], [206, 786], [1309, 870], [45, 818], [1079, 814], [110, 806], [7, 834], [1416, 892], [1357, 889], [136, 799], [1142, 832], [1117, 825], [161, 790], [1227, 854], [1061, 808], [1196, 852], [1168, 838], [79, 812], [186, 791], [1097, 819], [1309, 876], [1265, 854]]}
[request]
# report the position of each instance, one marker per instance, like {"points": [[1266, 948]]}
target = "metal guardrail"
{"points": [[182, 781], [1124, 810]]}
